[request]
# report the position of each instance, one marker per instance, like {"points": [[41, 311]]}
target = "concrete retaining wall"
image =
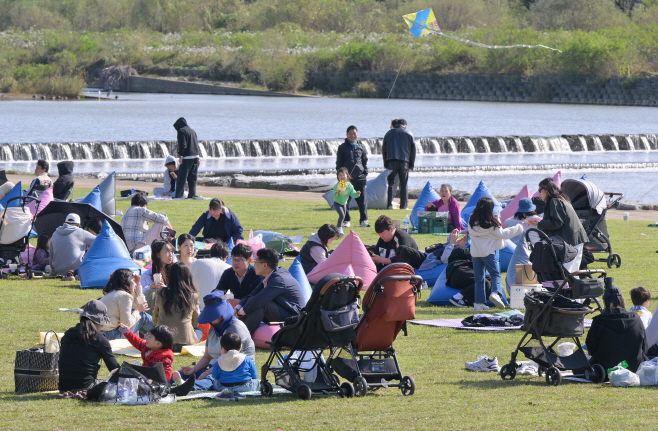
{"points": [[139, 84]]}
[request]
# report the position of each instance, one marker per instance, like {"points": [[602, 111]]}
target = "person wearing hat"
{"points": [[219, 313], [525, 214], [616, 334], [82, 348], [68, 245], [170, 178]]}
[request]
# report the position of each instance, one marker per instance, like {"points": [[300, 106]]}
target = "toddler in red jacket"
{"points": [[156, 347]]}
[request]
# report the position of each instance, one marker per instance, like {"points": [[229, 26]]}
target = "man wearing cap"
{"points": [[220, 315], [276, 298], [68, 245]]}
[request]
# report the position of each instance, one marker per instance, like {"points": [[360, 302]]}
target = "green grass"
{"points": [[447, 396]]}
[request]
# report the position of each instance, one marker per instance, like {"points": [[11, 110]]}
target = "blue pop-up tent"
{"points": [[480, 191], [426, 195]]}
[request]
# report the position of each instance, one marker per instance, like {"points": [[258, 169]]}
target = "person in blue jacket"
{"points": [[218, 223]]}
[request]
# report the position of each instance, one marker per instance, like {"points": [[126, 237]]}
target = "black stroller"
{"points": [[591, 205], [15, 228], [555, 313], [328, 320]]}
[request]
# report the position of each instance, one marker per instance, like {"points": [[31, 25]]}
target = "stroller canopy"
{"points": [[584, 195]]}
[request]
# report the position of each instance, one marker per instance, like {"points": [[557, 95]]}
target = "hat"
{"points": [[96, 311], [526, 206], [215, 306], [72, 218]]}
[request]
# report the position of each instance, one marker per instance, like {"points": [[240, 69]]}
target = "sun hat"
{"points": [[215, 306], [72, 218], [96, 311], [526, 205]]}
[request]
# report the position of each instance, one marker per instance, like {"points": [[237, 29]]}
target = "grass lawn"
{"points": [[447, 396]]}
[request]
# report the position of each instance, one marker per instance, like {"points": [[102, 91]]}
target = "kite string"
{"points": [[396, 76]]}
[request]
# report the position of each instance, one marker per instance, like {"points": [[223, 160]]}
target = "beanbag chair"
{"points": [[426, 195], [106, 254], [505, 255], [441, 293], [5, 188], [513, 205], [13, 193], [108, 192], [431, 275], [298, 274], [479, 192], [350, 251], [377, 190], [94, 199], [46, 197], [558, 180], [263, 334]]}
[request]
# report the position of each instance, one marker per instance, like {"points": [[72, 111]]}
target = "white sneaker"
{"points": [[497, 300], [365, 223], [528, 369], [479, 307], [347, 224], [483, 364], [340, 231]]}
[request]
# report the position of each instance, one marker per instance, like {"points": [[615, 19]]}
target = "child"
{"points": [[41, 257], [234, 372], [487, 236], [156, 347], [640, 297], [341, 193]]}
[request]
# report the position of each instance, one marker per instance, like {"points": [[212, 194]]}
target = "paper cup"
{"points": [[157, 278]]}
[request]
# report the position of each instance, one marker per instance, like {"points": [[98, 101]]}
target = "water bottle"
{"points": [[406, 222]]}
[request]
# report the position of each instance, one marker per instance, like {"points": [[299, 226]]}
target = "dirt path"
{"points": [[650, 216]]}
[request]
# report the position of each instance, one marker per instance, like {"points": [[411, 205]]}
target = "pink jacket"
{"points": [[453, 210]]}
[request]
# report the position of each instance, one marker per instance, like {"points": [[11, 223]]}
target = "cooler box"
{"points": [[429, 224], [518, 292]]}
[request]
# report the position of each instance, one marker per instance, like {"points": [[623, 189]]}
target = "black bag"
{"points": [[35, 370], [586, 287]]}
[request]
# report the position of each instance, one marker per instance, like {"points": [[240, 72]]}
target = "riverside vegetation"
{"points": [[447, 396], [55, 47]]}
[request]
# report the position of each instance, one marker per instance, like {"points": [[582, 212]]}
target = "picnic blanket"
{"points": [[212, 394], [457, 324]]}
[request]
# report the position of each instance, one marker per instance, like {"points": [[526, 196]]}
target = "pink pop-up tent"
{"points": [[558, 180], [350, 257], [513, 205]]}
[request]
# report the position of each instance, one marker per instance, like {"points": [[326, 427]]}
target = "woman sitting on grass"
{"points": [[41, 253], [155, 278], [121, 305]]}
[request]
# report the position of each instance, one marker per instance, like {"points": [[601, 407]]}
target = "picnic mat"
{"points": [[457, 324], [212, 394]]}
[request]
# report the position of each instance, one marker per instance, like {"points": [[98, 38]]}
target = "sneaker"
{"points": [[483, 364], [340, 231], [177, 378], [197, 198], [347, 224], [69, 276], [365, 223], [480, 307], [458, 302], [238, 396], [527, 369], [497, 300], [225, 395], [389, 207], [184, 388]]}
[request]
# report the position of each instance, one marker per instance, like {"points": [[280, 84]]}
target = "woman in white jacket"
{"points": [[488, 236]]}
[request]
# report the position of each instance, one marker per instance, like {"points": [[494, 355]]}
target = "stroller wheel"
{"points": [[409, 387], [266, 388], [598, 374], [614, 260], [508, 372], [347, 390], [360, 387], [304, 392], [553, 376]]}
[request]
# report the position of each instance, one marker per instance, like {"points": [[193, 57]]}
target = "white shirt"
{"points": [[644, 314]]}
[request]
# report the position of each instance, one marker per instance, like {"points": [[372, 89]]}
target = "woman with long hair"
{"points": [[177, 305], [186, 249], [162, 257], [560, 219], [122, 306]]}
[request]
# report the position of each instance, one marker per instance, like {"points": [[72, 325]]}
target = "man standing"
{"points": [[352, 155], [188, 151], [399, 153]]}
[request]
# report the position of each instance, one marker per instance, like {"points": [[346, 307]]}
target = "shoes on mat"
{"points": [[347, 224], [238, 396], [225, 395], [497, 300], [484, 364], [480, 307], [458, 302]]}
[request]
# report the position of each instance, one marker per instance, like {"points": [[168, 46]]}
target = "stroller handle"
{"points": [[25, 199], [542, 235], [587, 272], [415, 279]]}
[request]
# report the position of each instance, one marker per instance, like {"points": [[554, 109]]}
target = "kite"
{"points": [[424, 22]]}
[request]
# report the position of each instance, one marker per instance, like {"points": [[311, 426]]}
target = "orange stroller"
{"points": [[369, 361]]}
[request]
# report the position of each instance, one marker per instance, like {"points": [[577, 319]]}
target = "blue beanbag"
{"points": [[94, 199], [505, 255], [431, 275], [479, 192], [441, 293], [13, 193], [297, 271], [427, 195]]}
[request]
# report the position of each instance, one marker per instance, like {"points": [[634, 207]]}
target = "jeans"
{"points": [[343, 213], [360, 185], [489, 263], [187, 173], [398, 168], [144, 324], [209, 383]]}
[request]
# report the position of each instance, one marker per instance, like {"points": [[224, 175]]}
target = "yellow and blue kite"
{"points": [[424, 22]]}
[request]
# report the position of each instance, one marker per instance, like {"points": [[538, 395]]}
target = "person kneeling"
{"points": [[276, 298], [234, 372]]}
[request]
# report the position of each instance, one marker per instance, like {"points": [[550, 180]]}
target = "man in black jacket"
{"points": [[64, 184], [188, 151], [352, 155], [399, 154]]}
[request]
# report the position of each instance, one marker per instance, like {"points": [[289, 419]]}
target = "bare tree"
{"points": [[626, 5]]}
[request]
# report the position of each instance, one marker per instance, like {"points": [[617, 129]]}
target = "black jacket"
{"points": [[282, 289], [399, 145], [229, 281], [387, 249], [355, 159], [64, 184], [187, 143], [616, 337], [560, 219], [79, 364]]}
